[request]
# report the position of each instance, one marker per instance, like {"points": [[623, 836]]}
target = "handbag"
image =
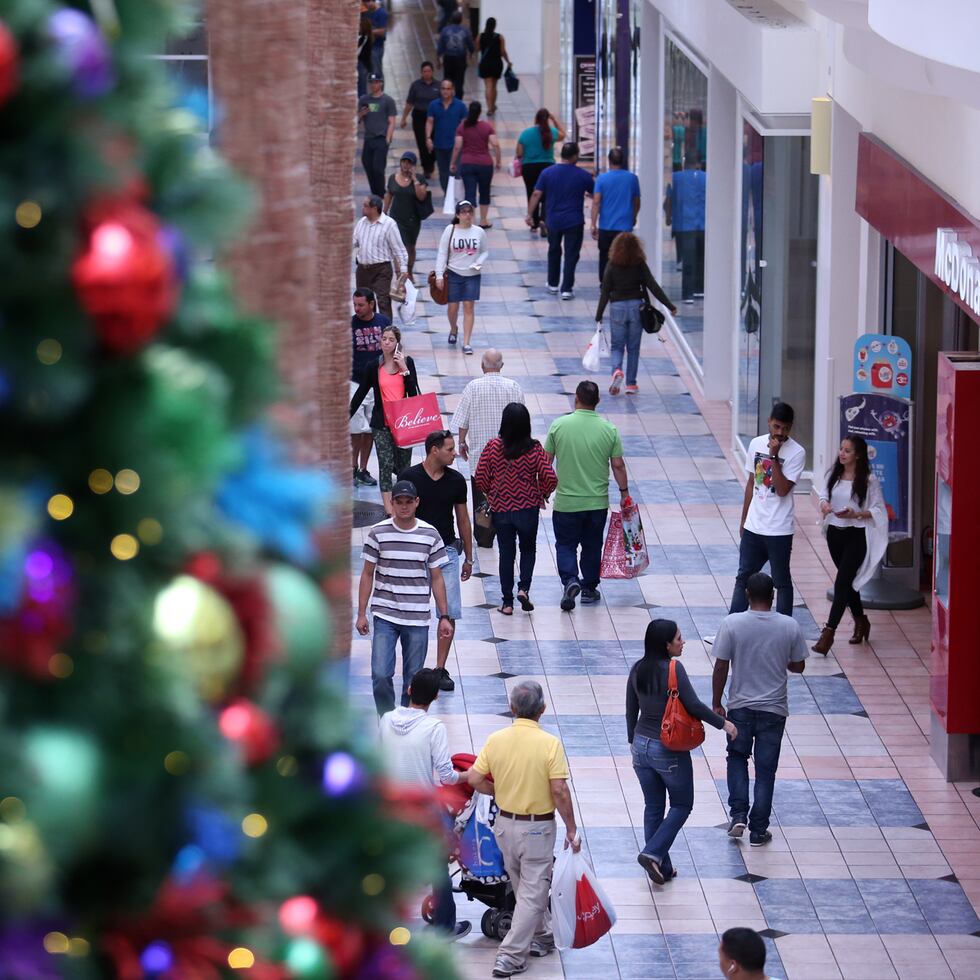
{"points": [[651, 319], [438, 295], [512, 82], [483, 529], [679, 730], [425, 208], [410, 420]]}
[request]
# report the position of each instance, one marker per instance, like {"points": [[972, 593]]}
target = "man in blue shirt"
{"points": [[379, 23], [615, 204], [687, 200], [444, 116], [563, 187]]}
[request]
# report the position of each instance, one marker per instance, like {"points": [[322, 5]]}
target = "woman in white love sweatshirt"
{"points": [[462, 252]]}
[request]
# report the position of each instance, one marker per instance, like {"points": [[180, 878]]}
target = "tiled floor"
{"points": [[874, 870]]}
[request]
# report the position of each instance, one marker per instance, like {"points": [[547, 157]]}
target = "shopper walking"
{"points": [[421, 94], [377, 112], [389, 379], [761, 646], [364, 44], [530, 782], [662, 771], [379, 33], [856, 525], [477, 417], [585, 446], [687, 202], [625, 285], [443, 118], [472, 160], [742, 955], [367, 326], [405, 194], [563, 187], [517, 476], [416, 753], [442, 503], [379, 250], [536, 151], [615, 204], [403, 560], [492, 49], [462, 252], [453, 49]]}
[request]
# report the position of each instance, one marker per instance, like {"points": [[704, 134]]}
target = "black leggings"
{"points": [[530, 172], [848, 546]]}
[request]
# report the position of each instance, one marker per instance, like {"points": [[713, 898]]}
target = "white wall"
{"points": [[520, 23]]}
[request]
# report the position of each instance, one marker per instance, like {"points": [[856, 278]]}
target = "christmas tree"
{"points": [[181, 792]]}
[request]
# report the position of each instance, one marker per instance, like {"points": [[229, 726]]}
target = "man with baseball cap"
{"points": [[401, 555], [378, 112]]}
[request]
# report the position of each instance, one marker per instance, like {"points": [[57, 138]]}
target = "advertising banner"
{"points": [[883, 364], [885, 423], [584, 109]]}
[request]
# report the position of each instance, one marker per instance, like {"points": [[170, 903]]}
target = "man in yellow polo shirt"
{"points": [[530, 782]]}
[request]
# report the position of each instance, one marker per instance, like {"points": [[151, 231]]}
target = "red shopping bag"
{"points": [[581, 913], [410, 420], [592, 920], [624, 555]]}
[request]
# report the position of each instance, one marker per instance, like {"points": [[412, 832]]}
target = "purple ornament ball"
{"points": [[83, 52]]}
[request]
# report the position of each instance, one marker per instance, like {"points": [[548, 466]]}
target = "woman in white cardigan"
{"points": [[855, 523], [462, 252]]}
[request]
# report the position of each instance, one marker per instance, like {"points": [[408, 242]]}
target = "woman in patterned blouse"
{"points": [[517, 476]]}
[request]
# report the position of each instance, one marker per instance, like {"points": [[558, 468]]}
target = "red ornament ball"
{"points": [[9, 63], [344, 940], [246, 724], [125, 278]]}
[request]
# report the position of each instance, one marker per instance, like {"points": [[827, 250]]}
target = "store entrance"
{"points": [[922, 314]]}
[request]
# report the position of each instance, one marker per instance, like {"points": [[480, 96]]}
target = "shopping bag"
{"points": [[454, 193], [406, 311], [479, 852], [483, 529], [410, 420], [597, 346], [624, 555], [512, 82], [516, 167], [581, 913]]}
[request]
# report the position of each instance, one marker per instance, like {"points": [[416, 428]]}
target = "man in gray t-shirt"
{"points": [[761, 646], [378, 113]]}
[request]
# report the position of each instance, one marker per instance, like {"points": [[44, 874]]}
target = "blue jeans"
{"points": [[414, 640], [571, 240], [444, 158], [662, 772], [626, 331], [579, 528], [765, 729], [754, 550], [513, 526], [444, 913], [476, 176]]}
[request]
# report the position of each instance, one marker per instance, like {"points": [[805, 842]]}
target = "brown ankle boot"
{"points": [[825, 642], [862, 630]]}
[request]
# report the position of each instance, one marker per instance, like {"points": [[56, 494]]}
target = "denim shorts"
{"points": [[450, 575], [463, 288]]}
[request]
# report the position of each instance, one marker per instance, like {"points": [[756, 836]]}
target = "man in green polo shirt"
{"points": [[583, 446]]}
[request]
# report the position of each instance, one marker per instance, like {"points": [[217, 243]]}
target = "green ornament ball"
{"points": [[308, 960], [301, 616]]}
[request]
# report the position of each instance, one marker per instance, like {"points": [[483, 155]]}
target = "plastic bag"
{"points": [[454, 193], [406, 311], [624, 555], [479, 852], [516, 168], [581, 913], [597, 346]]}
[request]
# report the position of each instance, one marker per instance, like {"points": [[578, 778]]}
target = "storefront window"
{"points": [[685, 161], [778, 282]]}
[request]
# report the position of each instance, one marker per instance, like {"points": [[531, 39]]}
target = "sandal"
{"points": [[452, 336], [525, 602], [506, 610]]}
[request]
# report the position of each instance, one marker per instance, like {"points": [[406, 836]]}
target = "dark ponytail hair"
{"points": [[862, 469], [515, 430], [659, 633], [473, 114], [542, 119]]}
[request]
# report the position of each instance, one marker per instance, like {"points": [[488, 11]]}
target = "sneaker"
{"points": [[467, 349], [446, 683], [540, 949], [632, 389], [366, 479], [652, 867], [357, 481], [758, 840], [507, 971], [461, 929], [568, 294], [689, 302], [590, 596], [737, 827], [571, 594], [617, 382], [552, 289], [452, 338]]}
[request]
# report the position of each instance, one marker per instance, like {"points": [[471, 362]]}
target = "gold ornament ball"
{"points": [[26, 870], [195, 623]]}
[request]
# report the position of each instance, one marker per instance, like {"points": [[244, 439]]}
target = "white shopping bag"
{"points": [[454, 193], [581, 912], [597, 346], [406, 311]]}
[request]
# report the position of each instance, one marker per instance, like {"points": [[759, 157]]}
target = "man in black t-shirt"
{"points": [[366, 325], [421, 92], [442, 497]]}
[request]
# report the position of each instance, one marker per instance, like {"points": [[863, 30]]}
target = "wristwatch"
{"points": [[445, 616]]}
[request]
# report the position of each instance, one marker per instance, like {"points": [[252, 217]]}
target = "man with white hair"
{"points": [[530, 782], [478, 416]]}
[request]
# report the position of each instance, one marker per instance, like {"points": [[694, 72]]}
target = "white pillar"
{"points": [[520, 23], [650, 138], [721, 252], [839, 310]]}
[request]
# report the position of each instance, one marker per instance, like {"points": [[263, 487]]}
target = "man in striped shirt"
{"points": [[401, 555], [380, 250]]}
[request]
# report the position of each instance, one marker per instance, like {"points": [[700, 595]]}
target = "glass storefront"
{"points": [[685, 162], [778, 282]]}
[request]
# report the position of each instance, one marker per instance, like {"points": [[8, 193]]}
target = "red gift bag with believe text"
{"points": [[410, 420]]}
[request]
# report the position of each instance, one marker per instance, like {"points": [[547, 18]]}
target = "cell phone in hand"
{"points": [[398, 349]]}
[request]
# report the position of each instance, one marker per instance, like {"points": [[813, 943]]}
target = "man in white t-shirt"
{"points": [[774, 464]]}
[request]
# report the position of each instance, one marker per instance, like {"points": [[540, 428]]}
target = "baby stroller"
{"points": [[481, 871]]}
